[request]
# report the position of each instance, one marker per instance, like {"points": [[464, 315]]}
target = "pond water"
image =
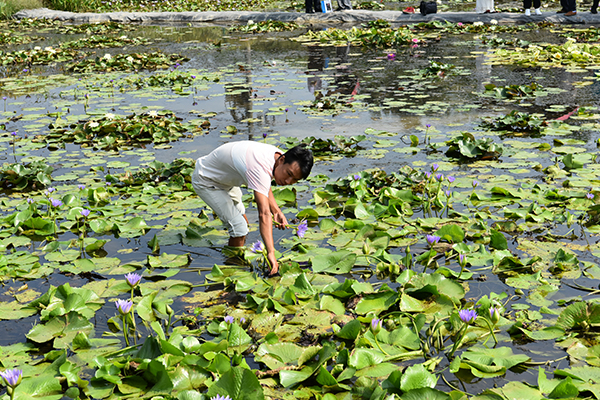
{"points": [[269, 88]]}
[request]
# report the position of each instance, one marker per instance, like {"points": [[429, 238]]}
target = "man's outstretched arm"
{"points": [[280, 219], [265, 225]]}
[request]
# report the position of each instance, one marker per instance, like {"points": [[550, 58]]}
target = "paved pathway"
{"points": [[354, 16]]}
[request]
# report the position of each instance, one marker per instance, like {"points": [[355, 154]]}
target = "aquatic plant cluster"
{"points": [[426, 281]]}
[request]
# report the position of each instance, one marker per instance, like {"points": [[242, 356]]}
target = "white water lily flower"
{"points": [[250, 22], [129, 59], [37, 48], [93, 124], [49, 49], [109, 116], [153, 113], [477, 23], [123, 37], [319, 105], [493, 22], [107, 56]]}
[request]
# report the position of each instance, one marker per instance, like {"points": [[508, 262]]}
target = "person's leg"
{"points": [[594, 9], [230, 210], [527, 4], [571, 7], [308, 6], [563, 7], [235, 194]]}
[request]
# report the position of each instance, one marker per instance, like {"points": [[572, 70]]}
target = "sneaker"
{"points": [[408, 10], [538, 12], [527, 12], [594, 11], [570, 13]]}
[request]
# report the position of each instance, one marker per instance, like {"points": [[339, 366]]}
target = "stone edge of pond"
{"points": [[353, 16]]}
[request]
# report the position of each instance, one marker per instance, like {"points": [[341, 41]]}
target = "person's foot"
{"points": [[561, 11], [527, 12], [310, 12], [570, 13], [408, 10], [594, 11], [538, 12]]}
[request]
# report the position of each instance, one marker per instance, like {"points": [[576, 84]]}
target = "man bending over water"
{"points": [[219, 175]]}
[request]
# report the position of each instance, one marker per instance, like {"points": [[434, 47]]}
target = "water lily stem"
{"points": [[461, 337], [491, 328], [379, 346], [125, 333], [452, 386]]}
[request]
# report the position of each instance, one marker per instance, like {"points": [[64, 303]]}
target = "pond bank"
{"points": [[354, 16]]}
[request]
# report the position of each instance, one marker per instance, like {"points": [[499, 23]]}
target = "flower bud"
{"points": [[376, 325], [494, 315], [366, 248]]}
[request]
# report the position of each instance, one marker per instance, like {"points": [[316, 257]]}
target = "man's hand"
{"points": [[280, 220], [274, 264]]}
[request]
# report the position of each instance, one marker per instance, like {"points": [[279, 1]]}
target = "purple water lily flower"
{"points": [[12, 377], [124, 306], [302, 228], [428, 125], [356, 177], [14, 133], [475, 183], [133, 279], [229, 319], [467, 316], [30, 200], [439, 177], [81, 187], [257, 247], [265, 135], [84, 213], [391, 56], [55, 202], [435, 167], [432, 239], [590, 196], [451, 179]]}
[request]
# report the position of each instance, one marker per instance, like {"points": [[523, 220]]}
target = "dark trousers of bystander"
{"points": [[313, 6], [536, 4], [568, 5]]}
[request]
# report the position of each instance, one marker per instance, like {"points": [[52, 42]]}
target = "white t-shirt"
{"points": [[238, 163]]}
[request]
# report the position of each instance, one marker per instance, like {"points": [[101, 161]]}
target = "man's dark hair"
{"points": [[302, 156]]}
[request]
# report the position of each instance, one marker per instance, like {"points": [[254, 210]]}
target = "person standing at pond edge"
{"points": [[484, 6], [218, 176], [568, 7], [344, 5], [536, 4], [312, 6]]}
